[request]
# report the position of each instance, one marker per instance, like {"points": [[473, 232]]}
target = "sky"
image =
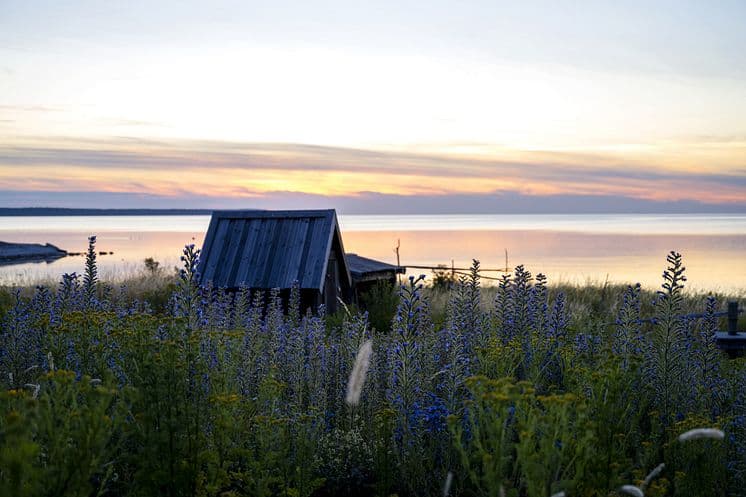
{"points": [[389, 106]]}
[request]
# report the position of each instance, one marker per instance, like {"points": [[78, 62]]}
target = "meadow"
{"points": [[164, 387]]}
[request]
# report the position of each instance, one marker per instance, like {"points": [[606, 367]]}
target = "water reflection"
{"points": [[714, 261], [130, 251]]}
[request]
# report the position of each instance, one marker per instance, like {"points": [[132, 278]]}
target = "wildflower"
{"points": [[359, 370], [50, 361], [95, 381], [447, 485], [702, 433], [631, 490]]}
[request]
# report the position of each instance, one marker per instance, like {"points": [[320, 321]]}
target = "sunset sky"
{"points": [[387, 106]]}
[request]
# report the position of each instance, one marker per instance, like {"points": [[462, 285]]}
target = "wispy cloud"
{"points": [[233, 169], [132, 123], [28, 108]]}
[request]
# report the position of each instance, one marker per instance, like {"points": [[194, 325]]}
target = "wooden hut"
{"points": [[264, 250]]}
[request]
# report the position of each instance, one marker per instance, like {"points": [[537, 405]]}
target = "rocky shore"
{"points": [[13, 253]]}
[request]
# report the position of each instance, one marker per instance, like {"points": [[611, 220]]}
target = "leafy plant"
{"points": [[183, 389]]}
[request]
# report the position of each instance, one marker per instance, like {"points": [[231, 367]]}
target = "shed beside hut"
{"points": [[367, 273]]}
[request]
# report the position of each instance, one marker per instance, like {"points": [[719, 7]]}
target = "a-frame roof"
{"points": [[270, 249]]}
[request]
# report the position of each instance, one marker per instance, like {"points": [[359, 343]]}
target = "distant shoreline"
{"points": [[69, 212], [53, 211]]}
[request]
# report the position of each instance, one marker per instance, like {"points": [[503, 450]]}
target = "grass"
{"points": [[592, 299], [162, 387]]}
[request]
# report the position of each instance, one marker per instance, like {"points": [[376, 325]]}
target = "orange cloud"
{"points": [[174, 168]]}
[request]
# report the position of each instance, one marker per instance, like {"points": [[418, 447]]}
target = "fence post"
{"points": [[733, 318]]}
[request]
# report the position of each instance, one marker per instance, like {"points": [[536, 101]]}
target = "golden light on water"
{"points": [[714, 259]]}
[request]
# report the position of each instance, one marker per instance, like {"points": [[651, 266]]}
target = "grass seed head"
{"points": [[698, 433], [631, 490], [653, 475], [359, 370], [447, 485]]}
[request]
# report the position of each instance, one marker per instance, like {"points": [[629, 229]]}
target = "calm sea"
{"points": [[567, 248]]}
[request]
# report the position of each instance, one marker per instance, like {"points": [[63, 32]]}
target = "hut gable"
{"points": [[274, 249]]}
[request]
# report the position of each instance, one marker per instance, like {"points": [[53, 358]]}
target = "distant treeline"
{"points": [[54, 211]]}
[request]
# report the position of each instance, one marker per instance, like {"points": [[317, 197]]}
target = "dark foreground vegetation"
{"points": [[517, 390]]}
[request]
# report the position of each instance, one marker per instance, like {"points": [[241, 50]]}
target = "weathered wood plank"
{"points": [[216, 251], [227, 270], [262, 254], [304, 252], [247, 252], [279, 240], [296, 252], [316, 260], [224, 253], [208, 244], [279, 265]]}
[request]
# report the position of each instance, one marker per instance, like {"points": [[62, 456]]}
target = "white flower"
{"points": [[701, 433], [447, 485], [359, 370], [631, 490]]}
